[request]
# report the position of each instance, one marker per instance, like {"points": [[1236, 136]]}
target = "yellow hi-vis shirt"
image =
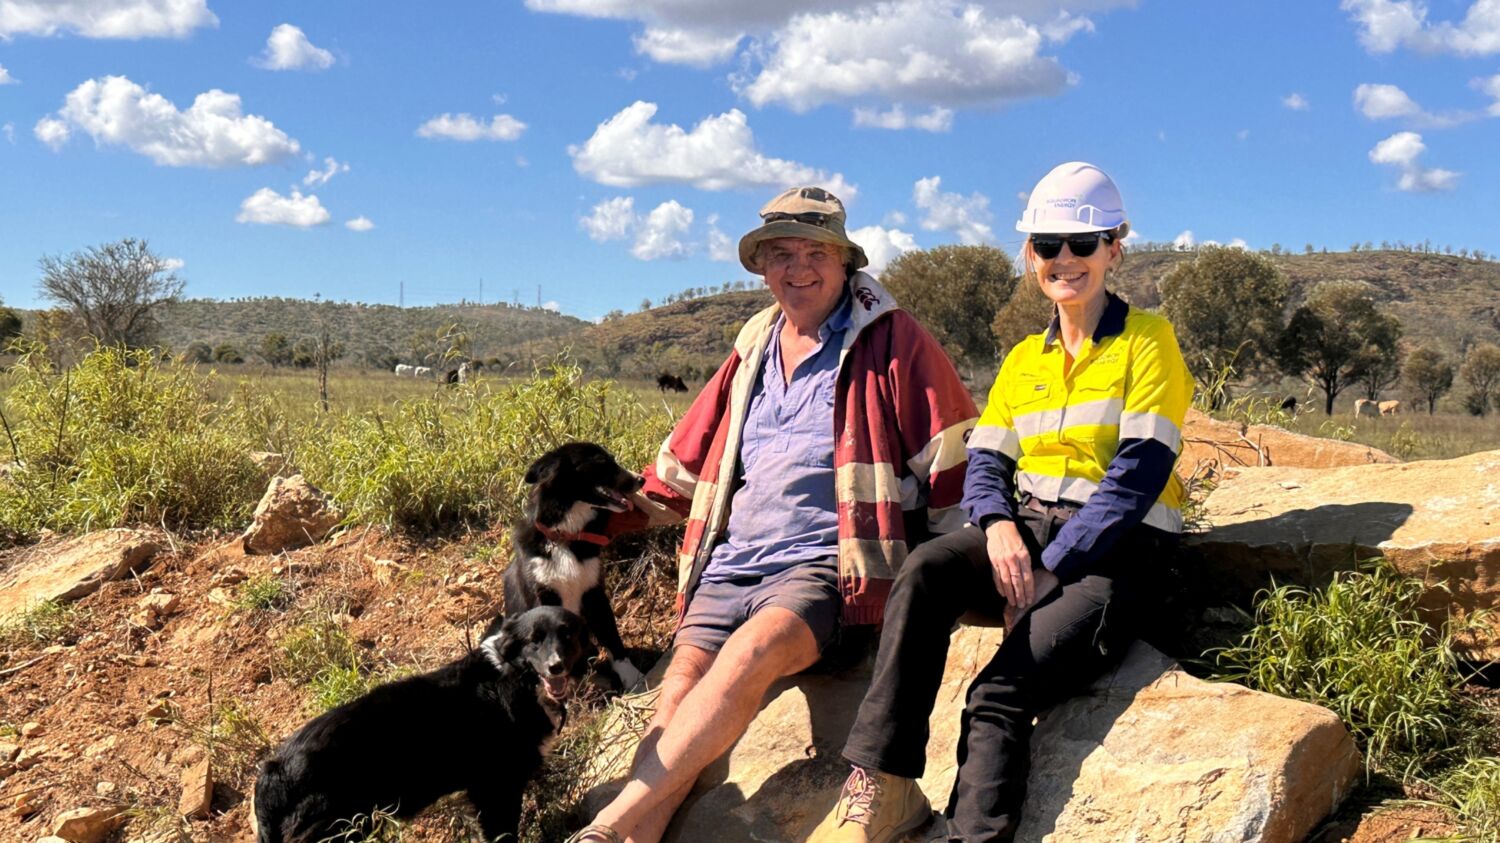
{"points": [[1129, 381]]}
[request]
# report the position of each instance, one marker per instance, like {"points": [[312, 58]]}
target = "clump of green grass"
{"points": [[378, 826], [122, 437], [232, 736], [458, 458], [320, 654], [262, 592], [41, 625], [1361, 647]]}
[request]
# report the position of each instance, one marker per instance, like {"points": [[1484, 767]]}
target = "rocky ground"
{"points": [[120, 715]]}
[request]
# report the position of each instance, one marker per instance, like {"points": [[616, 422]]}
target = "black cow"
{"points": [[665, 381]]}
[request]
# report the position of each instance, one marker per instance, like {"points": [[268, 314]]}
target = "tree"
{"points": [[1382, 367], [1481, 370], [1226, 307], [955, 292], [114, 290], [226, 353], [1334, 336], [10, 326], [1428, 376], [304, 353], [198, 352], [275, 349], [1027, 312]]}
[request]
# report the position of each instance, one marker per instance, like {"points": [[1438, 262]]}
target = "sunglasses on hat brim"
{"points": [[809, 217], [1049, 246]]}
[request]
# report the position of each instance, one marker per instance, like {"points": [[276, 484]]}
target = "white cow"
{"points": [[405, 371], [1366, 407], [423, 372], [465, 372]]}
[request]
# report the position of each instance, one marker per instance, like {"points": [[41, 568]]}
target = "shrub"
{"points": [[321, 655], [124, 437], [1360, 647], [459, 458], [43, 624]]}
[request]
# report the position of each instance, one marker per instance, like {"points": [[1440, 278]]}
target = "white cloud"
{"points": [[893, 219], [1490, 86], [1238, 243], [499, 99], [6, 78], [659, 235], [628, 150], [720, 246], [1242, 134], [1185, 240], [1387, 25], [938, 119], [172, 264], [211, 133], [968, 217], [359, 224], [1402, 150], [287, 48], [882, 245], [9, 130], [925, 51], [105, 18], [552, 306], [1296, 102], [52, 132], [465, 127], [1388, 102], [686, 46], [612, 219], [330, 169], [267, 207]]}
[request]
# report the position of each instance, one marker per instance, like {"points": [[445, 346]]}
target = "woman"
{"points": [[1072, 506]]}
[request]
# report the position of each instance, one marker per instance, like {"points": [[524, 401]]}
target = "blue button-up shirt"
{"points": [[785, 511]]}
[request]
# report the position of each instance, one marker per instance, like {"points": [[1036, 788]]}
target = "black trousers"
{"points": [[1060, 646]]}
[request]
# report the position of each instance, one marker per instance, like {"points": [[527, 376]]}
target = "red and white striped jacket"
{"points": [[901, 420]]}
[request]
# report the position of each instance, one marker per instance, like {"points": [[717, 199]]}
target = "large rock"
{"points": [[1149, 753], [1210, 446], [1436, 520], [72, 568], [293, 513]]}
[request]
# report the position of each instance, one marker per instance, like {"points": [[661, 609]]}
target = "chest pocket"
{"points": [[814, 425], [1027, 395], [1096, 401]]}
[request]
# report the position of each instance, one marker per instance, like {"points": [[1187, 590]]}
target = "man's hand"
{"points": [[1010, 564], [1045, 581]]}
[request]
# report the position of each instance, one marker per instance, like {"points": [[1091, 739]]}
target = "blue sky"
{"points": [[609, 151]]}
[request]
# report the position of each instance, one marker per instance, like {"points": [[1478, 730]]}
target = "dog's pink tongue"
{"points": [[556, 687]]}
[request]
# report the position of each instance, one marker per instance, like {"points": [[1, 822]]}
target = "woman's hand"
{"points": [[1010, 564]]}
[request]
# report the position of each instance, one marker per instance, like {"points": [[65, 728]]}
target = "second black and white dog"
{"points": [[573, 489], [481, 725]]}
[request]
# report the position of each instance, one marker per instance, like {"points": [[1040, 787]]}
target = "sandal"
{"points": [[595, 834]]}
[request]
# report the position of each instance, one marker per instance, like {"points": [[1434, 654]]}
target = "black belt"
{"points": [[1059, 512]]}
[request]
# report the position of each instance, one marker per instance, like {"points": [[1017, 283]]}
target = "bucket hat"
{"points": [[810, 213]]}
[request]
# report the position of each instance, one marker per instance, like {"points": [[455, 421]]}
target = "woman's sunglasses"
{"points": [[1049, 246]]}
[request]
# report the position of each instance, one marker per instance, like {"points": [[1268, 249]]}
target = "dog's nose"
{"points": [[555, 667]]}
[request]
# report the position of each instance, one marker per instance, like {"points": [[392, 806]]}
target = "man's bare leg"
{"points": [[712, 716], [688, 665]]}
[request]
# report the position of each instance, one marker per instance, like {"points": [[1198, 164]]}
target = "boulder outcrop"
{"points": [[293, 513], [1436, 520], [1149, 753], [1210, 446], [72, 568]]}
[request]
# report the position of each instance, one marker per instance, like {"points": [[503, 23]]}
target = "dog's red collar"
{"points": [[559, 537]]}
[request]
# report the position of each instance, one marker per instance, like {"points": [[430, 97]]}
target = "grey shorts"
{"points": [[811, 590]]}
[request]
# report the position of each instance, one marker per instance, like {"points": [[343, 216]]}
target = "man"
{"points": [[831, 440]]}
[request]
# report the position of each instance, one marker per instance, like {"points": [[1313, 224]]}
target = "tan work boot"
{"points": [[875, 807]]}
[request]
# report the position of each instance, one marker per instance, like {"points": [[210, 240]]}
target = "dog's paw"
{"points": [[630, 679]]}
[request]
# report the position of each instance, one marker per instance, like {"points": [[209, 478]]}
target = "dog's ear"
{"points": [[543, 470], [493, 626], [511, 640]]}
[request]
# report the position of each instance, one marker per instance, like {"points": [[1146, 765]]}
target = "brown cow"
{"points": [[1365, 407], [1389, 408]]}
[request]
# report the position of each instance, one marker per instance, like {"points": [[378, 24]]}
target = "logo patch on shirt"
{"points": [[866, 298], [1041, 387]]}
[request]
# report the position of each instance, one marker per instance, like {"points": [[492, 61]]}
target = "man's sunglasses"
{"points": [[809, 217], [1049, 246]]}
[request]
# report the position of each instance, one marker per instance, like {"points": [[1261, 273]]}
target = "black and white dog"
{"points": [[556, 562], [480, 724]]}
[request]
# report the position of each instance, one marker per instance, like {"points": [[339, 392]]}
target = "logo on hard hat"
{"points": [[1063, 202]]}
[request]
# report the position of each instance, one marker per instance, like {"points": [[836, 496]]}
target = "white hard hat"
{"points": [[1075, 197]]}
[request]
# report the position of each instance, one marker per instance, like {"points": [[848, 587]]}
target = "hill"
{"points": [[1444, 301], [371, 333]]}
